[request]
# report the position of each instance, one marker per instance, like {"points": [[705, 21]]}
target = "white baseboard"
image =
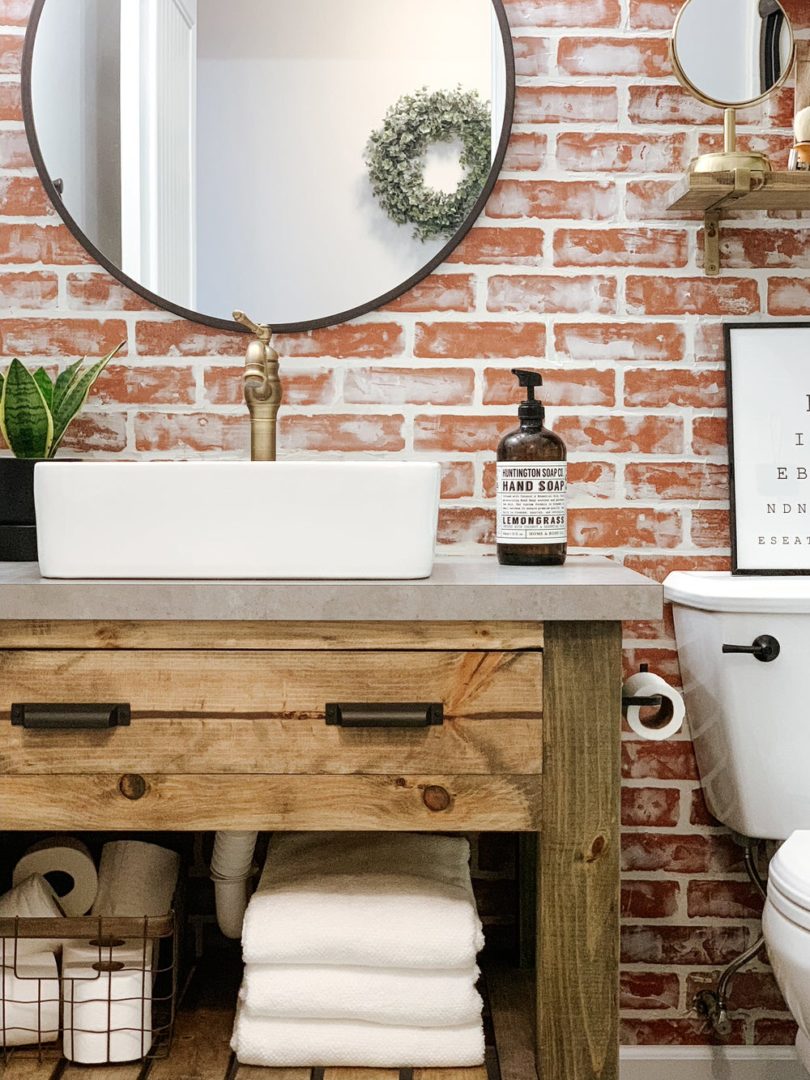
{"points": [[710, 1063]]}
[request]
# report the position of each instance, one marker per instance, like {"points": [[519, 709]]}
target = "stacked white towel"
{"points": [[360, 950]]}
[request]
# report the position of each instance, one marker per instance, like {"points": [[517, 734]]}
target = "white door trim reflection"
{"points": [[158, 145]]}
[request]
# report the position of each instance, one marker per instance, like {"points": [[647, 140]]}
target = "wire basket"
{"points": [[111, 999]]}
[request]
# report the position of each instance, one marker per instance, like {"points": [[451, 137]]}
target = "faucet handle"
{"points": [[261, 330]]}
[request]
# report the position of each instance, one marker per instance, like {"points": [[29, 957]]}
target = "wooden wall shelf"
{"points": [[714, 193]]}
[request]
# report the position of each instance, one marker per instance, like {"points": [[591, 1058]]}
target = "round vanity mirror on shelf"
{"points": [[306, 162], [732, 53]]}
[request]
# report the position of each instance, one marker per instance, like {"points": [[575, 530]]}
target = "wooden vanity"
{"points": [[228, 683]]}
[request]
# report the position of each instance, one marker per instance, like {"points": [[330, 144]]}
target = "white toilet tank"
{"points": [[750, 720]]}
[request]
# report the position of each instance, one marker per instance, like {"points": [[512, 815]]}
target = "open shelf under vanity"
{"points": [[198, 973]]}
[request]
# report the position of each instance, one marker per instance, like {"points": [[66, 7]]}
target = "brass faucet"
{"points": [[262, 389]]}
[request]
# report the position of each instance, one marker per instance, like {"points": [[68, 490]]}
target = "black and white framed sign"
{"points": [[768, 379]]}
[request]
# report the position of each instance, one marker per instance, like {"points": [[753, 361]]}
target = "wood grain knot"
{"points": [[436, 798], [132, 786], [597, 848]]}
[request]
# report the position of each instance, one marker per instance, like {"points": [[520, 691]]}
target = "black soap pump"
{"points": [[532, 487]]}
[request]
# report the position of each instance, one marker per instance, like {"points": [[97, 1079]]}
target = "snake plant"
{"points": [[35, 412]]}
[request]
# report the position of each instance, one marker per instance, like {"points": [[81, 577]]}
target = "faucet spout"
{"points": [[262, 389]]}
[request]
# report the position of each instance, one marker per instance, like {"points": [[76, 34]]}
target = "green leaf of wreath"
{"points": [[395, 155]]}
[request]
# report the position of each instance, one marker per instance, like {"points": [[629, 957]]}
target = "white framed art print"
{"points": [[768, 381]]}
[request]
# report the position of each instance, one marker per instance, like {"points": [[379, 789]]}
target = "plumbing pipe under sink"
{"points": [[231, 870]]}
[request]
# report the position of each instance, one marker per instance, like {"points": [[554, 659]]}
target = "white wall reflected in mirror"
{"points": [[214, 151], [733, 51]]}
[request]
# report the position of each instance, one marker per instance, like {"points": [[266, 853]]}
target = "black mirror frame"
{"points": [[285, 328]]}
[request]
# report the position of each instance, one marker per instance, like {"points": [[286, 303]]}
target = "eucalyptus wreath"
{"points": [[395, 155]]}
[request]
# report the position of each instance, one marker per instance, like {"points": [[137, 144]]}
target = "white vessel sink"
{"points": [[237, 519]]}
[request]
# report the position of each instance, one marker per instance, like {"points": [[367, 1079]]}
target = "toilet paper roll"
{"points": [[33, 898], [136, 879], [672, 713], [67, 856], [30, 1005], [107, 1009]]}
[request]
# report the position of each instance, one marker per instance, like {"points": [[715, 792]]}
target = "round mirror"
{"points": [[732, 53], [304, 161]]}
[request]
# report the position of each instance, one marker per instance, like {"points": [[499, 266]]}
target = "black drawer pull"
{"points": [[374, 715], [70, 717]]}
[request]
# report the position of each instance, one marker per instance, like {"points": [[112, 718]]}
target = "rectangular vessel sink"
{"points": [[237, 519]]}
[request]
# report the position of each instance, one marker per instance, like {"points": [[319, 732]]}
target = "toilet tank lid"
{"points": [[718, 590], [789, 870]]}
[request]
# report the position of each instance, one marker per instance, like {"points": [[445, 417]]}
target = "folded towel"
{"points": [[324, 1043], [376, 995], [392, 900]]}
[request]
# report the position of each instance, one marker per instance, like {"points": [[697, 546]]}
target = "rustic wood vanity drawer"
{"points": [[136, 802], [264, 711]]}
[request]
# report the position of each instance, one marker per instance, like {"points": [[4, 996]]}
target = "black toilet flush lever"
{"points": [[764, 648]]}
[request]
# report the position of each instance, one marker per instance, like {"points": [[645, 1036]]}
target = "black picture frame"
{"points": [[50, 186], [734, 501]]}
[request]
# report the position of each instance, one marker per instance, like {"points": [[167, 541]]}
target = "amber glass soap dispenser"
{"points": [[532, 487]]}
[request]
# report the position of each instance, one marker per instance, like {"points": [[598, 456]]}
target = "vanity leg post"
{"points": [[578, 878]]}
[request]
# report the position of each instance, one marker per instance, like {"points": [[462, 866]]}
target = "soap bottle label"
{"points": [[532, 502]]}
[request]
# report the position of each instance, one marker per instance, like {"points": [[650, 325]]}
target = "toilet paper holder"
{"points": [[653, 700]]}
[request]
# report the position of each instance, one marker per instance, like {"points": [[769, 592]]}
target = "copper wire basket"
{"points": [[112, 999]]}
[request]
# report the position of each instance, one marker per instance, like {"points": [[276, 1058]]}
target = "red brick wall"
{"points": [[576, 268]]}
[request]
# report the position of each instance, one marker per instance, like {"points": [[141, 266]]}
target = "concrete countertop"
{"points": [[587, 588]]}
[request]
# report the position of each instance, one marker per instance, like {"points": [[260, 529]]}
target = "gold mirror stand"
{"points": [[731, 158], [262, 389], [746, 168], [733, 179]]}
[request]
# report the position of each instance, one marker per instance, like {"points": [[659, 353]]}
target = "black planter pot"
{"points": [[18, 528]]}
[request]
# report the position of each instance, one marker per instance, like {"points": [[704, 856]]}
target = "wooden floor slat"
{"points": [[361, 1074], [478, 1072], [202, 1033], [109, 1072], [511, 1003], [201, 1048], [251, 1072], [25, 1065]]}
